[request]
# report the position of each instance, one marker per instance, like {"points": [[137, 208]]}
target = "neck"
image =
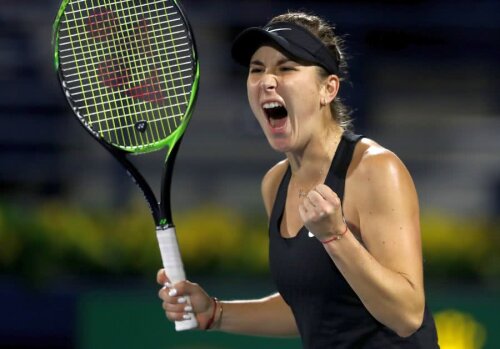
{"points": [[310, 166]]}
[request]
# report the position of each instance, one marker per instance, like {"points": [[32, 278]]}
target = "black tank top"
{"points": [[328, 312]]}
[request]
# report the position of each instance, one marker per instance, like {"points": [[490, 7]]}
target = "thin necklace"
{"points": [[301, 191]]}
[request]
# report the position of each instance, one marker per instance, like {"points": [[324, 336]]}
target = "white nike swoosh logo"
{"points": [[277, 29], [311, 235]]}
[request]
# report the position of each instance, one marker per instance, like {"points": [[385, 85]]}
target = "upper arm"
{"points": [[388, 210]]}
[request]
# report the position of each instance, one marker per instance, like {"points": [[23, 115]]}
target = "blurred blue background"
{"points": [[78, 255]]}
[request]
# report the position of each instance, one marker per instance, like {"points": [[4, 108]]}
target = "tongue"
{"points": [[277, 123]]}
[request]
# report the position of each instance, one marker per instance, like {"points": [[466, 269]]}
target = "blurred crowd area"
{"points": [[424, 81]]}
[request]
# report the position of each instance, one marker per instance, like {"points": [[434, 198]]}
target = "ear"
{"points": [[329, 89]]}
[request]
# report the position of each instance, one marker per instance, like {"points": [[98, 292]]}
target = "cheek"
{"points": [[253, 97], [307, 98]]}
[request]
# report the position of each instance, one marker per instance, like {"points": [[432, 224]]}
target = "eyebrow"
{"points": [[281, 61]]}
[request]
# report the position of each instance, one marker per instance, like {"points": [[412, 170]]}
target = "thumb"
{"points": [[161, 277]]}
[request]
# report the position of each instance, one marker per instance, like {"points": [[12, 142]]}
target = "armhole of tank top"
{"points": [[278, 204]]}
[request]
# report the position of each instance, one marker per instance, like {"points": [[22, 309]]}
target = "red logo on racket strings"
{"points": [[101, 23], [148, 90], [113, 73], [131, 57], [141, 37]]}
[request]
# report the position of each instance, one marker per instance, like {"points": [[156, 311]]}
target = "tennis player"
{"points": [[344, 233]]}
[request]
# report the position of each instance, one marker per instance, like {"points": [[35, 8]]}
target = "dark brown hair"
{"points": [[325, 32]]}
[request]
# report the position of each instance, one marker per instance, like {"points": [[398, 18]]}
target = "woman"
{"points": [[345, 249]]}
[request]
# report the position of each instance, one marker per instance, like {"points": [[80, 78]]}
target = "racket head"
{"points": [[129, 69]]}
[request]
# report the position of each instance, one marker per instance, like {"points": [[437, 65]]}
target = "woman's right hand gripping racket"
{"points": [[130, 72]]}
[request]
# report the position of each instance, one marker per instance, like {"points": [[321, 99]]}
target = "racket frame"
{"points": [[160, 210]]}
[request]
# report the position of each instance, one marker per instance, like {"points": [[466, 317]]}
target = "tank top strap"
{"points": [[335, 178], [341, 161]]}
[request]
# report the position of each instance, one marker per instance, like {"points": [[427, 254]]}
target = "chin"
{"points": [[280, 146]]}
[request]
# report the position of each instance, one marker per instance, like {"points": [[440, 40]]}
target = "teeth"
{"points": [[272, 105]]}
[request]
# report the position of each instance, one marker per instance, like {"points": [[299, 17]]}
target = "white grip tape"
{"points": [[172, 262]]}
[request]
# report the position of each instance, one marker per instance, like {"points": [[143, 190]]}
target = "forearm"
{"points": [[269, 316], [389, 296]]}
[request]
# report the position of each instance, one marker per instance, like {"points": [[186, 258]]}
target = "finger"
{"points": [[169, 293], [317, 199], [318, 205], [177, 307], [164, 293], [173, 293], [181, 293], [161, 277], [174, 316], [316, 195], [308, 205], [328, 194], [171, 302]]}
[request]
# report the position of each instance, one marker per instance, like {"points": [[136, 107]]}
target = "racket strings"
{"points": [[96, 22], [148, 89], [129, 68], [145, 90], [111, 71], [72, 52]]}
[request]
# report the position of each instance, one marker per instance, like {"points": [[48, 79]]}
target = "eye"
{"points": [[287, 68], [254, 70]]}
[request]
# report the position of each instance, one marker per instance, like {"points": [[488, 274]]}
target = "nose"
{"points": [[269, 82]]}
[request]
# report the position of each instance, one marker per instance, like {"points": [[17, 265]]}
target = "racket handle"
{"points": [[172, 262]]}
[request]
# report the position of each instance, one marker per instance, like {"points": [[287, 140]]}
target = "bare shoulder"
{"points": [[378, 173], [371, 161], [270, 184]]}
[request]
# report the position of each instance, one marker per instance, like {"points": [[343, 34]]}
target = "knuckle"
{"points": [[180, 287], [163, 293]]}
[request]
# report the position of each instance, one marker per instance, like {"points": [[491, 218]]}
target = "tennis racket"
{"points": [[130, 72]]}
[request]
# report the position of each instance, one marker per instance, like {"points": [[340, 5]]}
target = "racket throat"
{"points": [[164, 223]]}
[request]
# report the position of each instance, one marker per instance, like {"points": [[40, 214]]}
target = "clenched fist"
{"points": [[321, 212]]}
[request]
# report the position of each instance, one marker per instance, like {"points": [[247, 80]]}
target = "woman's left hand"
{"points": [[321, 212]]}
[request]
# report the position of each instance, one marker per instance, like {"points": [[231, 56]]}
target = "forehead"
{"points": [[268, 52]]}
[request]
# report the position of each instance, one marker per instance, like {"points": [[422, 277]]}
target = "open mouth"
{"points": [[276, 114]]}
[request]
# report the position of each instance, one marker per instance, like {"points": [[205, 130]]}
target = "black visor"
{"points": [[295, 41]]}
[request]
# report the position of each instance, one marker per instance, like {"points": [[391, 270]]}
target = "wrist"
{"points": [[218, 319], [210, 321], [216, 315], [336, 236]]}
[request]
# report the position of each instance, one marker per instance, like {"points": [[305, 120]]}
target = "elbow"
{"points": [[410, 324], [406, 331]]}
